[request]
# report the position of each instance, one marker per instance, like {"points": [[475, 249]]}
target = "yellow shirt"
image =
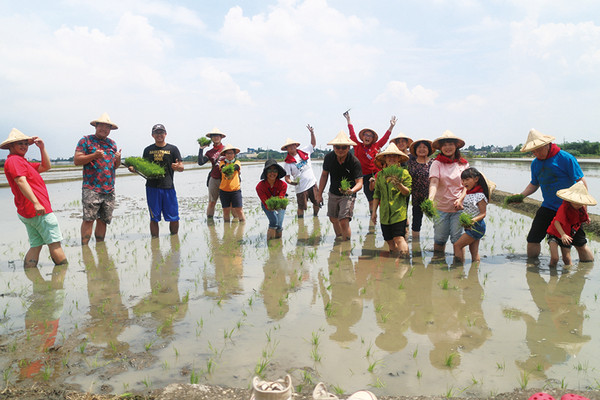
{"points": [[230, 183]]}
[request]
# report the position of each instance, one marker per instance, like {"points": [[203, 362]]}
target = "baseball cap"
{"points": [[158, 127]]}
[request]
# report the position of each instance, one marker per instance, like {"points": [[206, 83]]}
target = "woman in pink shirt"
{"points": [[446, 189]]}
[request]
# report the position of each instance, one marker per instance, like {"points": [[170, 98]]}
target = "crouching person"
{"points": [[271, 185]]}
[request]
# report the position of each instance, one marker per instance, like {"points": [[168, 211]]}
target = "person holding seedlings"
{"points": [[552, 169], [446, 189], [366, 148], [230, 190], [100, 158], [392, 188], [213, 180], [271, 191], [472, 219], [31, 197], [299, 173], [346, 181], [160, 192], [418, 167], [565, 229]]}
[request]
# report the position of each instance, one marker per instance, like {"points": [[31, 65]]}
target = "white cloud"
{"points": [[399, 91], [469, 103]]}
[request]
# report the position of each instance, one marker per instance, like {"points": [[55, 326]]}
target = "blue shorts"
{"points": [[42, 229], [477, 230], [231, 199], [447, 225], [162, 201]]}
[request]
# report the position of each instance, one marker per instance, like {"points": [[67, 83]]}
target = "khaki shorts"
{"points": [[213, 189], [98, 205], [340, 207], [302, 198]]}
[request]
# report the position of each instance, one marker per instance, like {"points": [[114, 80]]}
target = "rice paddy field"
{"points": [[217, 305]]}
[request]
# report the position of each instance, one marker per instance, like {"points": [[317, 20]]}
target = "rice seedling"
{"points": [[314, 354], [276, 203], [345, 185], [144, 167], [374, 364], [338, 390], [523, 379], [204, 141], [194, 378], [449, 359], [449, 392], [465, 219], [228, 170], [147, 382], [515, 198], [414, 355], [563, 383], [429, 209], [419, 374], [379, 383]]}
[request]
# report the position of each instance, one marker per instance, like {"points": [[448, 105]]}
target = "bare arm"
{"points": [[313, 139], [45, 164], [81, 158], [25, 188], [358, 184], [433, 186], [117, 161], [177, 165], [530, 189], [566, 239], [482, 206], [374, 210], [322, 184]]}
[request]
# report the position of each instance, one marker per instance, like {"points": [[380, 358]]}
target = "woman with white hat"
{"points": [[214, 176]]}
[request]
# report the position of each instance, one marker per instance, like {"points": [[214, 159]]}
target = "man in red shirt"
{"points": [[31, 197]]}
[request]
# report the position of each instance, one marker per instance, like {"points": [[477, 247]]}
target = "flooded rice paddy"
{"points": [[216, 305]]}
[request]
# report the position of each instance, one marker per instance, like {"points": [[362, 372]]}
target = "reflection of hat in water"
{"points": [[15, 135], [272, 163], [447, 135], [288, 142], [341, 140], [392, 149], [104, 119], [535, 140], [215, 131], [392, 341], [577, 194]]}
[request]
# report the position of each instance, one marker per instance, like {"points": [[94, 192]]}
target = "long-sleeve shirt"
{"points": [[366, 155]]}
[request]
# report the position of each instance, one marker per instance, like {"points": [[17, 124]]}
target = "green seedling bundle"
{"points": [[144, 167], [393, 173], [515, 198], [204, 141], [345, 185], [466, 220], [429, 209], [276, 203], [228, 170]]}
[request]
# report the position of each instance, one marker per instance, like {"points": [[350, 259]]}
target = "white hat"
{"points": [[342, 139], [229, 147], [104, 119], [215, 131], [15, 135], [288, 142], [577, 194], [535, 140], [448, 135], [391, 149], [402, 136]]}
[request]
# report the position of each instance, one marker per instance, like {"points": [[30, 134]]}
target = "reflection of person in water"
{"points": [[275, 286], [42, 316], [227, 255], [163, 302], [107, 312], [309, 239], [557, 334]]}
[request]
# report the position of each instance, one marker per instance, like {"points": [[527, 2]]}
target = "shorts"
{"points": [[42, 229], [231, 199], [97, 205], [393, 230], [213, 189], [162, 201], [579, 240], [303, 197], [340, 207], [368, 192], [447, 225], [477, 230], [542, 220]]}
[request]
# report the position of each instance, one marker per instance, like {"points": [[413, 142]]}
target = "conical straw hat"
{"points": [[416, 143], [15, 135], [363, 131], [104, 119], [342, 139], [289, 141], [229, 147], [215, 131], [536, 139], [448, 135], [391, 149], [577, 194], [402, 136]]}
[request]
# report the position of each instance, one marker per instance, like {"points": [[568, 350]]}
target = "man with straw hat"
{"points": [[299, 173], [552, 169], [214, 176], [100, 158], [565, 230], [31, 197], [346, 181]]}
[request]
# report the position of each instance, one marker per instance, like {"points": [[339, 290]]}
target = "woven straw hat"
{"points": [[15, 135], [104, 119], [342, 139], [416, 143], [289, 141], [229, 147], [215, 131], [391, 149], [535, 140], [402, 136], [447, 135], [577, 194], [363, 131]]}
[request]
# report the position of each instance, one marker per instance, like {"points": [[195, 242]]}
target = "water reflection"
{"points": [[305, 238], [275, 286], [227, 255]]}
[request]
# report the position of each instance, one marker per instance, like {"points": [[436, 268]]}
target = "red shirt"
{"points": [[366, 155], [570, 219], [16, 166], [265, 191]]}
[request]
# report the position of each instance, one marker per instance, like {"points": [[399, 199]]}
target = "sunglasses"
{"points": [[338, 147], [269, 171]]}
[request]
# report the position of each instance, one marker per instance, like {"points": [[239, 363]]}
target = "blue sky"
{"points": [[261, 70]]}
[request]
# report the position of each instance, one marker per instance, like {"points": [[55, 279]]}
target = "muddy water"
{"points": [[216, 304]]}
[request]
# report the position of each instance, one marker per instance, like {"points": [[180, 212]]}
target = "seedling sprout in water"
{"points": [[144, 167], [276, 203], [203, 141], [428, 209]]}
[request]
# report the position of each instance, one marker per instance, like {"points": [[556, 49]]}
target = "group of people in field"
{"points": [[388, 176]]}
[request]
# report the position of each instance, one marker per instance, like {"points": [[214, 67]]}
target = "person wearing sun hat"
{"points": [[565, 230], [100, 158], [552, 169], [299, 173], [31, 197], [402, 142], [418, 166], [213, 180], [446, 189], [272, 185], [230, 189], [341, 165]]}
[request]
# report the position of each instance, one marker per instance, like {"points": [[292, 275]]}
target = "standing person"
{"points": [[366, 149], [565, 230], [299, 173], [214, 176], [446, 189], [342, 166], [418, 167], [392, 191], [160, 192], [31, 197], [230, 189], [100, 158], [403, 143], [475, 205], [552, 169], [272, 185]]}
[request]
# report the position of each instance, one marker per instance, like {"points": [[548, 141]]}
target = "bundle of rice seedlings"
{"points": [[466, 220], [228, 170], [515, 198], [393, 173], [429, 209], [204, 141], [276, 203], [144, 167], [345, 185]]}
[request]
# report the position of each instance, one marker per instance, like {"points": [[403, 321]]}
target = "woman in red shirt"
{"points": [[272, 185]]}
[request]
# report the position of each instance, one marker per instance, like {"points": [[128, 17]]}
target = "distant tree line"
{"points": [[578, 149]]}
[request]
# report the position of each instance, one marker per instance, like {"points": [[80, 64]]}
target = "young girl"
{"points": [[392, 193], [230, 190], [475, 205], [565, 229], [271, 185]]}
